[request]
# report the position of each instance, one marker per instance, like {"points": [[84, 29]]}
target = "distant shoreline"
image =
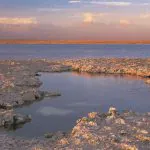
{"points": [[70, 42]]}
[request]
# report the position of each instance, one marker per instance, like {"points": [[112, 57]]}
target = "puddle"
{"points": [[81, 93]]}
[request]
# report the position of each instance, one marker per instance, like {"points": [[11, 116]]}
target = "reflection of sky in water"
{"points": [[47, 111], [81, 104], [81, 94]]}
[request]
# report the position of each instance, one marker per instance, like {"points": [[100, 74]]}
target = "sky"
{"points": [[75, 19]]}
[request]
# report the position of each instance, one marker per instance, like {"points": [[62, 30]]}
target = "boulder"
{"points": [[9, 119], [28, 96], [112, 111], [147, 81], [55, 136], [5, 106], [32, 95]]}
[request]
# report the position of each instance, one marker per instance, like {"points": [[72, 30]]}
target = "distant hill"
{"points": [[18, 41]]}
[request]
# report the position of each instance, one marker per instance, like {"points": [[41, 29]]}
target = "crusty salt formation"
{"points": [[111, 131]]}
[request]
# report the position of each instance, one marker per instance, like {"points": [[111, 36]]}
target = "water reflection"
{"points": [[102, 75], [82, 93], [47, 111]]}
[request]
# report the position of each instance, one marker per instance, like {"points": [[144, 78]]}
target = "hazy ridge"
{"points": [[71, 42]]}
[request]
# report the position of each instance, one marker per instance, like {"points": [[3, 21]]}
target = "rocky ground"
{"points": [[19, 85], [109, 131]]}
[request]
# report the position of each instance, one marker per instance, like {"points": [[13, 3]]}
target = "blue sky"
{"points": [[85, 16]]}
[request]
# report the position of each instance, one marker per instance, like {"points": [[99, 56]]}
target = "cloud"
{"points": [[121, 3], [124, 22], [50, 9], [4, 20], [89, 17], [108, 3], [74, 1], [146, 4], [95, 31], [145, 16]]}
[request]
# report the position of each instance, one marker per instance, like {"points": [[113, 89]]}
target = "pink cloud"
{"points": [[124, 22], [5, 20]]}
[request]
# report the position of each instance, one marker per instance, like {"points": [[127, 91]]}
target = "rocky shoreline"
{"points": [[19, 85], [108, 131]]}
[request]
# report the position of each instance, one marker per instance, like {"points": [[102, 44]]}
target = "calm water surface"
{"points": [[81, 93], [73, 51]]}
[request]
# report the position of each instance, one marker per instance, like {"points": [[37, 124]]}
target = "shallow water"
{"points": [[81, 93], [73, 51]]}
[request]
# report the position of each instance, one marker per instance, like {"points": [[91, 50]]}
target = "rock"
{"points": [[60, 134], [115, 138], [109, 120], [39, 95], [120, 121], [92, 115], [59, 68], [123, 132], [51, 94], [48, 135], [20, 119], [142, 131], [9, 119], [37, 75], [112, 111], [28, 81], [147, 81], [55, 136], [63, 141], [28, 96], [147, 76], [6, 106]]}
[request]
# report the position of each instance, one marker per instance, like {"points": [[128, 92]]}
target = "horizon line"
{"points": [[34, 41]]}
